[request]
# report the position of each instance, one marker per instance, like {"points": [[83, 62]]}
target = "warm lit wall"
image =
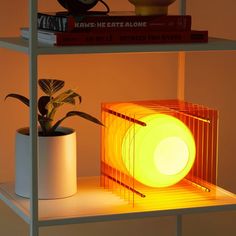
{"points": [[210, 80]]}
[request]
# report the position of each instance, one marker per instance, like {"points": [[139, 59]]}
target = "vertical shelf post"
{"points": [[181, 76], [181, 60], [33, 6], [182, 7], [179, 225], [180, 96]]}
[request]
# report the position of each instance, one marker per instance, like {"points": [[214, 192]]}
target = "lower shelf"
{"points": [[93, 203]]}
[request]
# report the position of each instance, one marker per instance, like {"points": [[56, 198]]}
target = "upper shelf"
{"points": [[214, 44]]}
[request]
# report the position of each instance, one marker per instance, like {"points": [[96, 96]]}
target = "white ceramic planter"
{"points": [[56, 168]]}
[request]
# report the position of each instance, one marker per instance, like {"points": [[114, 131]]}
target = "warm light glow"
{"points": [[162, 153], [171, 156], [152, 150]]}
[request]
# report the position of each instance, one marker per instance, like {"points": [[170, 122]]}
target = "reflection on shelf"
{"points": [[93, 203]]}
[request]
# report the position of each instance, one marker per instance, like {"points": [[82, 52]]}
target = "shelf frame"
{"points": [[33, 49], [214, 44], [33, 89], [181, 75]]}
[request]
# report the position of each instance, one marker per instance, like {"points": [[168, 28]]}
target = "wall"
{"points": [[101, 78]]}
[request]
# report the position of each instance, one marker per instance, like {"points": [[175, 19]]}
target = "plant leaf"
{"points": [[71, 98], [85, 116], [45, 124], [80, 114], [51, 86], [19, 97], [65, 97], [42, 103]]}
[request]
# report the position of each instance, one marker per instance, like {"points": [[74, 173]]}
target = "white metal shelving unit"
{"points": [[78, 209]]}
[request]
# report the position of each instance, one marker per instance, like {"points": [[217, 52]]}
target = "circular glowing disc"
{"points": [[161, 153], [171, 156]]}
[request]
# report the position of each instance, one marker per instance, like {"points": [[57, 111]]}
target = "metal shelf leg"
{"points": [[179, 225]]}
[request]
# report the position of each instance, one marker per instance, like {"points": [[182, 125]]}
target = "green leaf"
{"points": [[19, 97], [85, 116], [65, 97], [71, 98], [80, 114], [51, 86]]}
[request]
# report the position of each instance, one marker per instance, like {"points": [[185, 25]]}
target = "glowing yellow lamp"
{"points": [[163, 150]]}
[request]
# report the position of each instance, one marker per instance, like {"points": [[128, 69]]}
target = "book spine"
{"points": [[142, 37], [80, 23], [51, 22]]}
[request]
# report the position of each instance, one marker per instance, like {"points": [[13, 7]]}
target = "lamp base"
{"points": [[151, 10]]}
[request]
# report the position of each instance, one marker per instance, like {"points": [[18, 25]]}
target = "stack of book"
{"points": [[115, 28]]}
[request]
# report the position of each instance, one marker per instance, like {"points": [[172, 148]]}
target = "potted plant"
{"points": [[56, 144]]}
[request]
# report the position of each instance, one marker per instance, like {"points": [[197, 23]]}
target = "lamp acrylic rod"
{"points": [[33, 43]]}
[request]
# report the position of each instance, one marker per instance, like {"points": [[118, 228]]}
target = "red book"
{"points": [[96, 37], [116, 20]]}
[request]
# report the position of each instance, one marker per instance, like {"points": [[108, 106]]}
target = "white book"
{"points": [[44, 36]]}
